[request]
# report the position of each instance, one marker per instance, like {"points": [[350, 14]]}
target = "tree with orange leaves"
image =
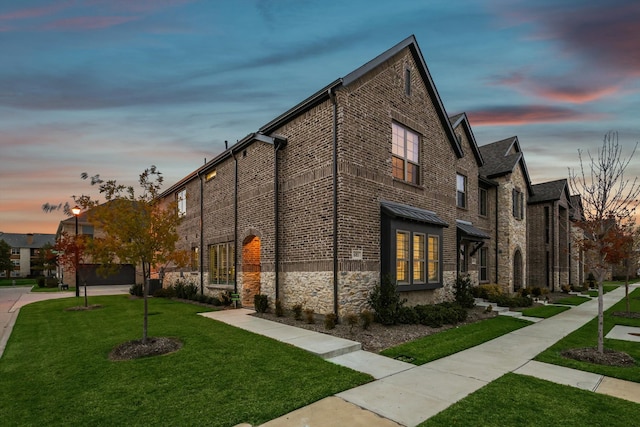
{"points": [[609, 201]]}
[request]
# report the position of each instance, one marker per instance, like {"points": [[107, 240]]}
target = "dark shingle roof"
{"points": [[469, 230], [17, 240], [548, 191], [411, 213], [498, 166]]}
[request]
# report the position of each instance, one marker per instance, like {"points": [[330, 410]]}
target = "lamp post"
{"points": [[76, 211]]}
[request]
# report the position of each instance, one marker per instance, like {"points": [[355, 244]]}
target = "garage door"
{"points": [[125, 275]]}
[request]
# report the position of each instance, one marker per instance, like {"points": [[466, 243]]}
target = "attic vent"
{"points": [[407, 81], [459, 137], [211, 175]]}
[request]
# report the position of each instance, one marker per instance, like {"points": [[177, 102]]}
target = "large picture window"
{"points": [[405, 150], [222, 263]]}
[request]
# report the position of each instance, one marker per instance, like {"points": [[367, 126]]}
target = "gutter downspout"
{"points": [[332, 96], [235, 222], [497, 233], [276, 221], [201, 254]]}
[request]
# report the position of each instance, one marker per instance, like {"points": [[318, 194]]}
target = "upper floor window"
{"points": [[482, 202], [405, 149], [407, 81], [461, 191], [517, 203], [15, 251], [181, 198]]}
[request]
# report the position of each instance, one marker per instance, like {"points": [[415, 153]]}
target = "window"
{"points": [[517, 203], [181, 198], [222, 263], [15, 251], [484, 269], [547, 225], [417, 258], [405, 150], [461, 190], [195, 258], [210, 175], [87, 230], [16, 262], [407, 81], [482, 202], [464, 260], [434, 259]]}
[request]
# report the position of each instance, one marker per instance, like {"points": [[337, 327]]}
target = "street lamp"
{"points": [[76, 211]]}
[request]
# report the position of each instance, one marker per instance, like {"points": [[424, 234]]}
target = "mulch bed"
{"points": [[136, 349], [608, 357], [84, 307]]}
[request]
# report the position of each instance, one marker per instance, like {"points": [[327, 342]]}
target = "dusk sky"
{"points": [[111, 87]]}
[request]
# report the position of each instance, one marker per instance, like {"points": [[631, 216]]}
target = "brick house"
{"points": [[25, 253], [370, 176], [551, 236], [506, 169]]}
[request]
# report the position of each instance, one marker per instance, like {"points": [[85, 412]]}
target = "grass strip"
{"points": [[573, 300], [55, 370], [605, 289], [544, 311], [453, 340], [587, 336], [18, 282], [518, 400]]}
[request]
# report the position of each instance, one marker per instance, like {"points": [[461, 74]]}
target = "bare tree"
{"points": [[610, 201]]}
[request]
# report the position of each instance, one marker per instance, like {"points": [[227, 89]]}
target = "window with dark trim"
{"points": [[195, 258], [181, 199], [517, 201], [461, 191], [407, 81], [483, 202], [405, 150], [222, 263], [484, 264]]}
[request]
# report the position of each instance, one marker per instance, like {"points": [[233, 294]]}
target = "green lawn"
{"points": [[55, 369], [19, 282], [517, 400], [572, 300], [587, 336], [453, 340], [55, 289], [605, 289], [544, 311]]}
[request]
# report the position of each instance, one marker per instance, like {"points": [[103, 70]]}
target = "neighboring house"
{"points": [[25, 251], [506, 169], [372, 178], [88, 272], [551, 232]]}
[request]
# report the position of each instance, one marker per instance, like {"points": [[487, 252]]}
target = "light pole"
{"points": [[76, 211]]}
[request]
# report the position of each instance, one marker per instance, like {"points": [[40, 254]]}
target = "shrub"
{"points": [[261, 303], [536, 291], [309, 316], [565, 289], [225, 298], [40, 281], [136, 290], [524, 292], [463, 293], [511, 301], [408, 316], [386, 302], [486, 291], [352, 320], [279, 308], [366, 317], [330, 321], [297, 311], [164, 293]]}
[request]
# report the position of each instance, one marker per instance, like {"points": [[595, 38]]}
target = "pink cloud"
{"points": [[88, 22], [523, 115], [563, 89], [34, 12]]}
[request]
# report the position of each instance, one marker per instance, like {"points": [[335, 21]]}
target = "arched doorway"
{"points": [[250, 270], [517, 270]]}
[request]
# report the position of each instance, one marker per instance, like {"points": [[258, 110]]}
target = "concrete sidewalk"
{"points": [[406, 395]]}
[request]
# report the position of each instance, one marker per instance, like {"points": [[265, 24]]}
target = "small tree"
{"points": [[609, 200], [5, 258], [136, 229], [72, 253]]}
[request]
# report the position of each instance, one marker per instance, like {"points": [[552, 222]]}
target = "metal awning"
{"points": [[397, 210], [469, 232]]}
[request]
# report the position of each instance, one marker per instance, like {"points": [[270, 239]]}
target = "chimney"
{"points": [[29, 239]]}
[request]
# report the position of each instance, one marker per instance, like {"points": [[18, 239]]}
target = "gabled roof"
{"points": [[326, 92], [461, 120], [17, 240], [397, 210], [550, 191], [576, 211], [501, 158]]}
